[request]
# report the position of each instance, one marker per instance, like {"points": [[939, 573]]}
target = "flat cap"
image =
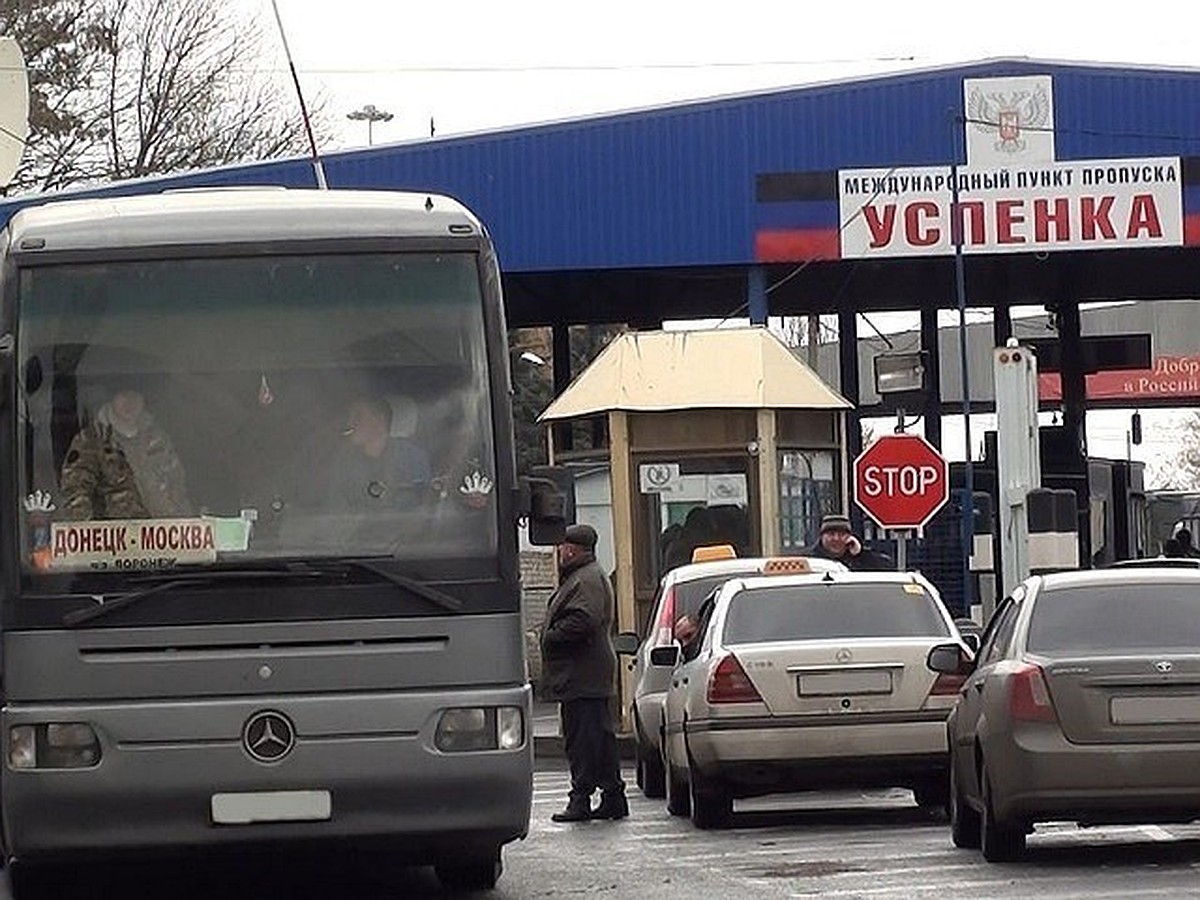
{"points": [[581, 536]]}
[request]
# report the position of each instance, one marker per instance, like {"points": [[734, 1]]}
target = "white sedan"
{"points": [[808, 682]]}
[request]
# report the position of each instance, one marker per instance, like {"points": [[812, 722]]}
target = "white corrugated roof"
{"points": [[724, 368]]}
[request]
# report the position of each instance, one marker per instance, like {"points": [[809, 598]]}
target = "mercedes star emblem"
{"points": [[269, 736]]}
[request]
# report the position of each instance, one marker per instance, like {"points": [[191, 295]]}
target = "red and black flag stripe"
{"points": [[796, 217]]}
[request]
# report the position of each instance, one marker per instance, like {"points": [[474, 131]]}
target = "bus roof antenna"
{"points": [[318, 168]]}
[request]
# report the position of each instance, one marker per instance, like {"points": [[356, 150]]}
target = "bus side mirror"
{"points": [[548, 502], [546, 509]]}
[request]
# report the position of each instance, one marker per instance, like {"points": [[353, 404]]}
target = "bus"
{"points": [[259, 555]]}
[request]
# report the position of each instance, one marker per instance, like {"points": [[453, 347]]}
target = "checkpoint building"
{"points": [[989, 185]]}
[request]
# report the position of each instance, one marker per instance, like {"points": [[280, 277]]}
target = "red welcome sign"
{"points": [[1172, 377]]}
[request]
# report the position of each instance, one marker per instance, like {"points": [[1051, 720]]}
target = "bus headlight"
{"points": [[59, 745], [510, 728], [480, 728], [22, 747]]}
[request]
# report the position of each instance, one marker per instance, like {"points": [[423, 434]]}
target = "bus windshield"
{"points": [[201, 411]]}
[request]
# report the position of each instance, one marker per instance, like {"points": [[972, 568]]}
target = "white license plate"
{"points": [[839, 684], [1154, 710], [271, 806]]}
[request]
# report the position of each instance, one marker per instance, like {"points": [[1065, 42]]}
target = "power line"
{"points": [[519, 68], [1089, 132]]}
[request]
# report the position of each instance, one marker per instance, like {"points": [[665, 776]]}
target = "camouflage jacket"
{"points": [[108, 475]]}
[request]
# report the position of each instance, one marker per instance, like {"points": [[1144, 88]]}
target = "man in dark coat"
{"points": [[839, 543], [579, 670]]}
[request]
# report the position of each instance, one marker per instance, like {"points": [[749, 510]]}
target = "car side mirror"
{"points": [[666, 655], [971, 640], [949, 659], [626, 643]]}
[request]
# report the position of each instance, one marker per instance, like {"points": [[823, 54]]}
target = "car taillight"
{"points": [[1028, 698], [947, 684], [664, 628], [730, 684]]}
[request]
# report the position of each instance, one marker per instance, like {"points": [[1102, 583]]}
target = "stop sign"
{"points": [[901, 480]]}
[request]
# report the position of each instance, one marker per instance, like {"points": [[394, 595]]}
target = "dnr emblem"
{"points": [[268, 736], [1007, 114]]}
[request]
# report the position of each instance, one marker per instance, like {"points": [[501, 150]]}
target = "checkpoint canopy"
{"points": [[715, 436]]}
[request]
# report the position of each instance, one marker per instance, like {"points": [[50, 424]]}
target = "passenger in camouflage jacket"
{"points": [[123, 466]]}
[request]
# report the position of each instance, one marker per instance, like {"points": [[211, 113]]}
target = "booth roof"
{"points": [[724, 368]]}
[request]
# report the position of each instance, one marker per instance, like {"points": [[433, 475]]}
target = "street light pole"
{"points": [[370, 114]]}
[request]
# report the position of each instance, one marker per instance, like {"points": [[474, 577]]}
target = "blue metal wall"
{"points": [[675, 186]]}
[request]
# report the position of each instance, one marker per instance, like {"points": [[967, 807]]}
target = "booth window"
{"points": [[808, 491]]}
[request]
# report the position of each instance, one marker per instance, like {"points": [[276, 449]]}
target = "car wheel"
{"points": [[651, 777], [471, 873], [678, 802], [964, 821], [712, 805], [1001, 841]]}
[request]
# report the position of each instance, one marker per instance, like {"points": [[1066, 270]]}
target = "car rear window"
{"points": [[690, 594], [832, 610], [1114, 619]]}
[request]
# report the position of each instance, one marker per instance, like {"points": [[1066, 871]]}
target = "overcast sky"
{"points": [[473, 65]]}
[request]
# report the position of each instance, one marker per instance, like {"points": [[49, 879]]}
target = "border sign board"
{"points": [[901, 481]]}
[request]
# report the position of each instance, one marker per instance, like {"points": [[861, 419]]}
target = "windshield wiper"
{"points": [[410, 584], [161, 584]]}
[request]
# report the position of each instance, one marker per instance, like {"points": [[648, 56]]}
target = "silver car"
{"points": [[808, 682], [680, 594], [1084, 706]]}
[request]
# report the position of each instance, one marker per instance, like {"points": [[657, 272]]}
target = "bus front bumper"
{"points": [[180, 777]]}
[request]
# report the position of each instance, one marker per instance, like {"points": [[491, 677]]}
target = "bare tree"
{"points": [[59, 41], [1177, 467], [129, 88], [179, 92]]}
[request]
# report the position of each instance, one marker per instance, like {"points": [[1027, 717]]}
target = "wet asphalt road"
{"points": [[848, 845]]}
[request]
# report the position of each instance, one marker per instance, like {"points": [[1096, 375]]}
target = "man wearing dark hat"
{"points": [[579, 670], [839, 543]]}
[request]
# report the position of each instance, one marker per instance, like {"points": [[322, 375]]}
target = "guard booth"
{"points": [[703, 437]]}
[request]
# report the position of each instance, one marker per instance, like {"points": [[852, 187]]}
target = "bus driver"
{"points": [[376, 466]]}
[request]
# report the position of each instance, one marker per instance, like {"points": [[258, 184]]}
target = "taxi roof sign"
{"points": [[787, 565], [713, 551]]}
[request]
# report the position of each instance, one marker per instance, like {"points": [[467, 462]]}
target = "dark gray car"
{"points": [[1082, 705]]}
